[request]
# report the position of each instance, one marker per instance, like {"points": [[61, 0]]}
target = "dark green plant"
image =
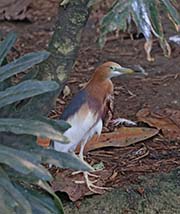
{"points": [[147, 18], [24, 187]]}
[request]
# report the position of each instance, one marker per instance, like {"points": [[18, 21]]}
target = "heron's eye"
{"points": [[112, 68]]}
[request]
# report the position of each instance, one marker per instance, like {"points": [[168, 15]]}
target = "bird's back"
{"points": [[77, 101]]}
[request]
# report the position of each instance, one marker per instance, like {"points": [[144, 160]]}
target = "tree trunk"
{"points": [[63, 47]]}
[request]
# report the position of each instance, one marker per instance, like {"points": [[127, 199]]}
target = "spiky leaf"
{"points": [[146, 16], [6, 45], [174, 14], [31, 127], [21, 64], [63, 160], [11, 198], [25, 89], [23, 163], [40, 201]]}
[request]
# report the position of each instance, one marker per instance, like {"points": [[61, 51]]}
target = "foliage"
{"points": [[24, 180], [147, 17]]}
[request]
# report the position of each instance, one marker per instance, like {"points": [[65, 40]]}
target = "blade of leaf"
{"points": [[59, 159], [25, 90], [20, 161], [3, 205], [45, 186], [41, 202], [17, 198], [6, 45], [114, 19], [155, 18], [60, 125], [157, 28], [21, 64], [31, 127], [63, 160], [141, 18], [175, 16]]}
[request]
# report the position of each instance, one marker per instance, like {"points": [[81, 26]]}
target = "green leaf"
{"points": [[6, 45], [116, 18], [23, 163], [60, 125], [155, 19], [11, 198], [59, 159], [63, 160], [21, 64], [157, 27], [45, 186], [175, 16], [140, 15], [25, 90], [41, 202], [31, 127]]}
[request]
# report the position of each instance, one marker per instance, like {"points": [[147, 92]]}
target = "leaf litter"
{"points": [[120, 157], [121, 137], [167, 120]]}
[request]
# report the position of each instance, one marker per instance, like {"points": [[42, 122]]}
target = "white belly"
{"points": [[81, 130]]}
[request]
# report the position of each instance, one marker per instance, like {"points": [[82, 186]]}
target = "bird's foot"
{"points": [[123, 121], [90, 184], [89, 174]]}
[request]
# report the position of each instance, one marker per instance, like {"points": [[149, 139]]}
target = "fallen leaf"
{"points": [[167, 120], [122, 137], [65, 182]]}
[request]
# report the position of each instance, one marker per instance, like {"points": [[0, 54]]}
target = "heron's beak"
{"points": [[123, 70]]}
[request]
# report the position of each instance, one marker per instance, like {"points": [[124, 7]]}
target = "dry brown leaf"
{"points": [[168, 120], [65, 182], [122, 137]]}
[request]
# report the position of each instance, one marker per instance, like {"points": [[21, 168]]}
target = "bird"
{"points": [[86, 111]]}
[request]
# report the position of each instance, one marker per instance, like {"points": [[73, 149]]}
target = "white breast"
{"points": [[82, 129]]}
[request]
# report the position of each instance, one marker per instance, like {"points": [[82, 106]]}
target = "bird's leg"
{"points": [[82, 149], [82, 159], [123, 121], [89, 183]]}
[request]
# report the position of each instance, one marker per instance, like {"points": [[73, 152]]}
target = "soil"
{"points": [[158, 90]]}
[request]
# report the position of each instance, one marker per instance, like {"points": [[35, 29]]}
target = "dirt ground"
{"points": [[158, 90]]}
